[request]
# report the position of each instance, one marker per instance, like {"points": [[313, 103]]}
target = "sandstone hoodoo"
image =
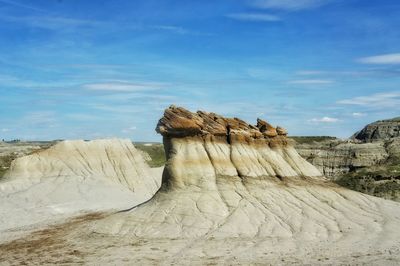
{"points": [[229, 188], [217, 146]]}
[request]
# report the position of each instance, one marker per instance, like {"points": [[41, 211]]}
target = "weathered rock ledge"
{"points": [[178, 122]]}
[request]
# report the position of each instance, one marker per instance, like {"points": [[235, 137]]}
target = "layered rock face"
{"points": [[335, 158], [215, 146], [116, 160], [368, 162], [379, 130]]}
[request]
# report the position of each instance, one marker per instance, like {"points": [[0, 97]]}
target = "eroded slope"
{"points": [[71, 177]]}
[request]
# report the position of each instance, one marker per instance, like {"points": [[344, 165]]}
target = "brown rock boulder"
{"points": [[281, 131], [178, 122], [266, 129]]}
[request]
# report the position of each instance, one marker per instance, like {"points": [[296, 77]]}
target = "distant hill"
{"points": [[379, 130], [369, 162]]}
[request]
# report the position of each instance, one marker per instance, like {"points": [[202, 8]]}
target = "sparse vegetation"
{"points": [[13, 149], [155, 151], [311, 139], [5, 162], [382, 181]]}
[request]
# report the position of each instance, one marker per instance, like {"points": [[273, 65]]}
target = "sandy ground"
{"points": [[340, 227], [65, 244], [58, 199]]}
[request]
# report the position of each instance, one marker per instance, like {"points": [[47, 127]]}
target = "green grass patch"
{"points": [[156, 152]]}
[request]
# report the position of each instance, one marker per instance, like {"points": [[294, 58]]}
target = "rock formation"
{"points": [[117, 160], [368, 162], [234, 194], [336, 157], [379, 130], [74, 176], [215, 146]]}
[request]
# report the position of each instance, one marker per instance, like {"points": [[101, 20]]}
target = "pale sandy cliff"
{"points": [[71, 177]]}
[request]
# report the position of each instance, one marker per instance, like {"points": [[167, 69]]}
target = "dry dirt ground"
{"points": [[65, 244]]}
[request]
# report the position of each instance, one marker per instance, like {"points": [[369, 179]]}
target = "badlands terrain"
{"points": [[230, 193], [368, 162]]}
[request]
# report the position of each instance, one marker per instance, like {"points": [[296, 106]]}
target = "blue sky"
{"points": [[76, 69]]}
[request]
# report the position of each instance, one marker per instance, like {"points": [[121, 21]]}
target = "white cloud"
{"points": [[381, 59], [289, 4], [5, 130], [82, 117], [170, 28], [324, 119], [122, 86], [39, 117], [128, 130], [16, 4], [254, 17], [357, 114], [311, 81], [52, 22], [380, 100], [309, 72]]}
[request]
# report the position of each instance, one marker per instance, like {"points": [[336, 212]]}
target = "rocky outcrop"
{"points": [[379, 130], [215, 146], [368, 162], [337, 157]]}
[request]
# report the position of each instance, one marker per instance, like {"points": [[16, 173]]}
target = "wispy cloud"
{"points": [[39, 118], [17, 4], [128, 130], [379, 100], [387, 71], [174, 29], [254, 17], [311, 81], [309, 72], [384, 59], [325, 119], [358, 114], [122, 86], [52, 22], [82, 117], [289, 4]]}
